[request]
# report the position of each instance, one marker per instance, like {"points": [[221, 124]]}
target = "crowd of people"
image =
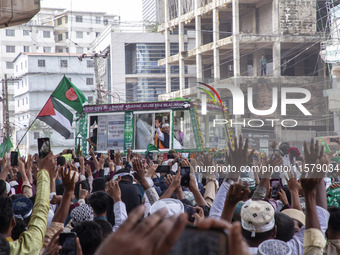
{"points": [[98, 204]]}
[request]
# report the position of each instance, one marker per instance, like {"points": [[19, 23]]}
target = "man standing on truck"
{"points": [[162, 137]]}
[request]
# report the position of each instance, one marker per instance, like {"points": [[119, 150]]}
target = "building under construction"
{"points": [[232, 36]]}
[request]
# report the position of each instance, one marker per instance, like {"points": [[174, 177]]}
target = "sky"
{"points": [[129, 10]]}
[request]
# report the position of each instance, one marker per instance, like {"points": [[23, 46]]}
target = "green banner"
{"points": [[128, 131], [5, 146]]}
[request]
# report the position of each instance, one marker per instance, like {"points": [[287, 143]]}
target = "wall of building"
{"points": [[297, 17]]}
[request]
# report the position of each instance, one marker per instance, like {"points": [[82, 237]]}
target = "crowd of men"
{"points": [[63, 204]]}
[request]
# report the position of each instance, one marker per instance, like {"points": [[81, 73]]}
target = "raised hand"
{"points": [[236, 193], [68, 180], [139, 173], [113, 190]]}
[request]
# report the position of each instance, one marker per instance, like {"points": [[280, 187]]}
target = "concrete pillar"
{"points": [[236, 52], [236, 38], [167, 48], [277, 58], [216, 37], [199, 63], [277, 43], [256, 59], [181, 49]]}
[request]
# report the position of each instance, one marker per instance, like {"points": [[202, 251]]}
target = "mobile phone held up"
{"points": [[185, 173], [276, 187], [163, 169], [201, 242], [43, 147], [14, 158], [112, 154], [68, 243]]}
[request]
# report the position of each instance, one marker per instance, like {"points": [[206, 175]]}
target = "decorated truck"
{"points": [[132, 125]]}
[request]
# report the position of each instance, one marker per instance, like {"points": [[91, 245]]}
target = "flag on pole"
{"points": [[326, 148], [5, 146], [70, 95], [57, 117], [151, 147]]}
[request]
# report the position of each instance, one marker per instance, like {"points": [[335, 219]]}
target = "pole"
{"points": [[96, 74], [6, 107]]}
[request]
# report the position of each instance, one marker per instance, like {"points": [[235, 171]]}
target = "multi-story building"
{"points": [[51, 30], [40, 74], [232, 35], [132, 72]]}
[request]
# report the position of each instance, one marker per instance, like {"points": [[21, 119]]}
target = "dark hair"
{"points": [[6, 214], [20, 226], [105, 226], [334, 219], [4, 246], [84, 185], [99, 184], [90, 236], [259, 237], [3, 188], [284, 227], [61, 161], [99, 201]]}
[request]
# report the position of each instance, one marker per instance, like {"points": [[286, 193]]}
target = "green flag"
{"points": [[151, 147], [5, 146], [336, 159], [326, 148], [70, 95]]}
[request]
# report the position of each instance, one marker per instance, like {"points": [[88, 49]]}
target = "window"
{"points": [[23, 102], [60, 21], [47, 49], [66, 19], [79, 50], [67, 50], [71, 136], [89, 63], [9, 65], [79, 18], [63, 63], [26, 49], [10, 32], [46, 34], [25, 32], [89, 81], [66, 35], [41, 62], [106, 22], [97, 34], [60, 37], [36, 135], [21, 65], [79, 34], [90, 98], [27, 102], [88, 33], [10, 48], [60, 50], [97, 20]]}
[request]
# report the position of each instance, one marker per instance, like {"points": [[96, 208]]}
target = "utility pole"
{"points": [[6, 130], [99, 90]]}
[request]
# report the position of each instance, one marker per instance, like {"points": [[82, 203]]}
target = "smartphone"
{"points": [[276, 187], [185, 173], [14, 158], [124, 161], [68, 243], [163, 169], [201, 242], [43, 147], [112, 154], [190, 210]]}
